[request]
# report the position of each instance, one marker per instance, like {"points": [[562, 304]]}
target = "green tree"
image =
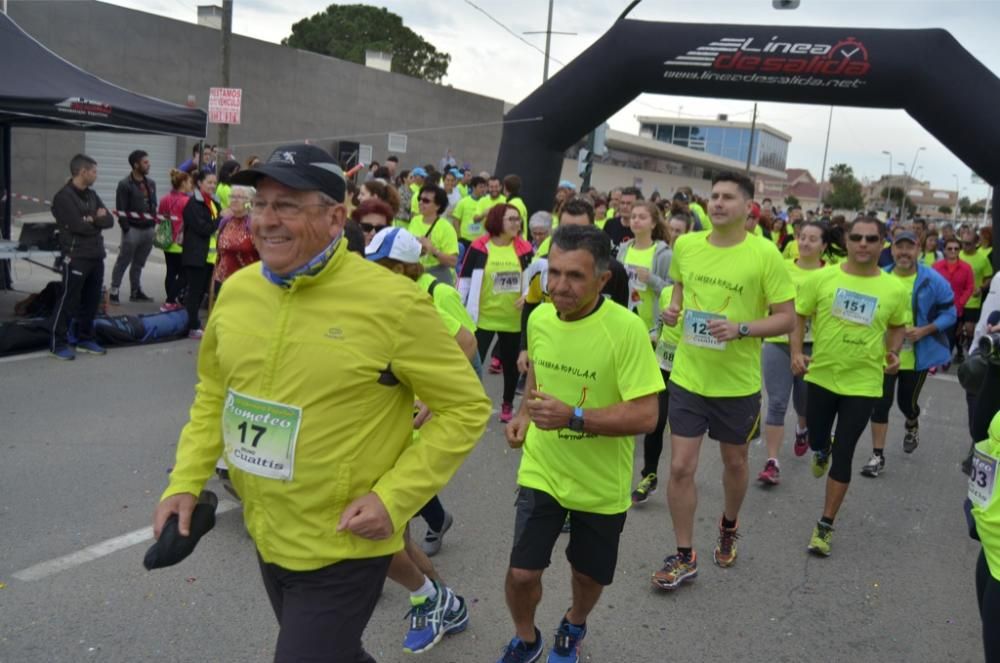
{"points": [[895, 193], [347, 31], [791, 201], [944, 209], [847, 192]]}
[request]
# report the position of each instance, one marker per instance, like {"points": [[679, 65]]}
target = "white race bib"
{"points": [[474, 229], [854, 307], [506, 283], [982, 479], [633, 279], [696, 329], [260, 435], [808, 337], [665, 354]]}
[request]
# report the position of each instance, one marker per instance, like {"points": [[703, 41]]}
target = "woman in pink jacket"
{"points": [[958, 273]]}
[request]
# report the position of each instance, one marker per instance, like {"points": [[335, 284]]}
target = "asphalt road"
{"points": [[86, 446]]}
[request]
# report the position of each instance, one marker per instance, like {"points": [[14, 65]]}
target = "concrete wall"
{"points": [[288, 95]]}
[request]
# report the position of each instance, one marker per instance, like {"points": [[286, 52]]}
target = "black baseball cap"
{"points": [[301, 167]]}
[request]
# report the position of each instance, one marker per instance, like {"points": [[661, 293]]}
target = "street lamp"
{"points": [[889, 184], [902, 187]]}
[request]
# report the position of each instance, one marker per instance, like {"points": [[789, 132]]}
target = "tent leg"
{"points": [[6, 205]]}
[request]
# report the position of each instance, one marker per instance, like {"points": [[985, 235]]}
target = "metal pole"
{"points": [[591, 142], [753, 127], [548, 43], [888, 188], [957, 194], [986, 205], [227, 38], [909, 177], [826, 150]]}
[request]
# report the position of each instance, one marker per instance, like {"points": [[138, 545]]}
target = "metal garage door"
{"points": [[111, 151]]}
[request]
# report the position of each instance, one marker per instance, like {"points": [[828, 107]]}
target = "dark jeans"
{"points": [[652, 444], [174, 283], [132, 254], [988, 596], [197, 286], [323, 613], [81, 295], [507, 349], [852, 414]]}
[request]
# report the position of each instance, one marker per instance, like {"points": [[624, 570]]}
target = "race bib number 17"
{"points": [[260, 435]]}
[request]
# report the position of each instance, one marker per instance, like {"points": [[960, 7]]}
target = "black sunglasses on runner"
{"points": [[368, 228], [857, 237]]}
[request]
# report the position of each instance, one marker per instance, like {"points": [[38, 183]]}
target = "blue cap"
{"points": [[456, 172], [566, 184], [418, 172]]}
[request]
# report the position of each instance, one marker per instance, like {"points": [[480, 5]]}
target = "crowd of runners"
{"points": [[346, 370]]}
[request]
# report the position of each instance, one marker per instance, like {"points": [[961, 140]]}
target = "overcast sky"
{"points": [[488, 60]]}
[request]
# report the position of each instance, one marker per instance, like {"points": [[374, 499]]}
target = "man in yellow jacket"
{"points": [[307, 372]]}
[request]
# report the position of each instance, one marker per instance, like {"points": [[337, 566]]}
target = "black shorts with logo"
{"points": [[730, 419], [593, 538]]}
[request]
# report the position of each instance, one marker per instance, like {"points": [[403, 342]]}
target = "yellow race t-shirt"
{"points": [[485, 204], [982, 492], [442, 236], [469, 229], [852, 315], [981, 270], [640, 296], [791, 251], [519, 204], [601, 360], [798, 275], [536, 293], [500, 290], [736, 283], [414, 199], [448, 303], [670, 337], [907, 355]]}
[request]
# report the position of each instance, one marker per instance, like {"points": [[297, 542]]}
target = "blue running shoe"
{"points": [[90, 348], [456, 621], [63, 352], [518, 652], [566, 648], [427, 621]]}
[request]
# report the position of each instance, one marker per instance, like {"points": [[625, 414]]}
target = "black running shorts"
{"points": [[593, 538], [729, 419]]}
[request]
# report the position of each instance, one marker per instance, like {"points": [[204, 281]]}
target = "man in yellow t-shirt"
{"points": [[982, 273], [463, 216], [592, 386], [734, 290], [859, 316], [493, 196], [310, 394]]}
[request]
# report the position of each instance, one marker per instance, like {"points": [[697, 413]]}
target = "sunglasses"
{"points": [[858, 237], [951, 248], [427, 201], [370, 228]]}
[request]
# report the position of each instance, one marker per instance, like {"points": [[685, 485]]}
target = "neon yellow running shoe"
{"points": [[819, 544]]}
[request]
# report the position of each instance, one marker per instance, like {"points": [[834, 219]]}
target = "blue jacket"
{"points": [[933, 302]]}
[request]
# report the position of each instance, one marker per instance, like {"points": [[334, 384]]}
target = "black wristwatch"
{"points": [[744, 329], [576, 421]]}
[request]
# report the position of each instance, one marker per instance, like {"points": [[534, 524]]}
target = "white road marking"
{"points": [[945, 377], [98, 550], [29, 355]]}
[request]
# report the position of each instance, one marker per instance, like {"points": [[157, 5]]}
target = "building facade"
{"points": [[288, 96], [722, 138]]}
